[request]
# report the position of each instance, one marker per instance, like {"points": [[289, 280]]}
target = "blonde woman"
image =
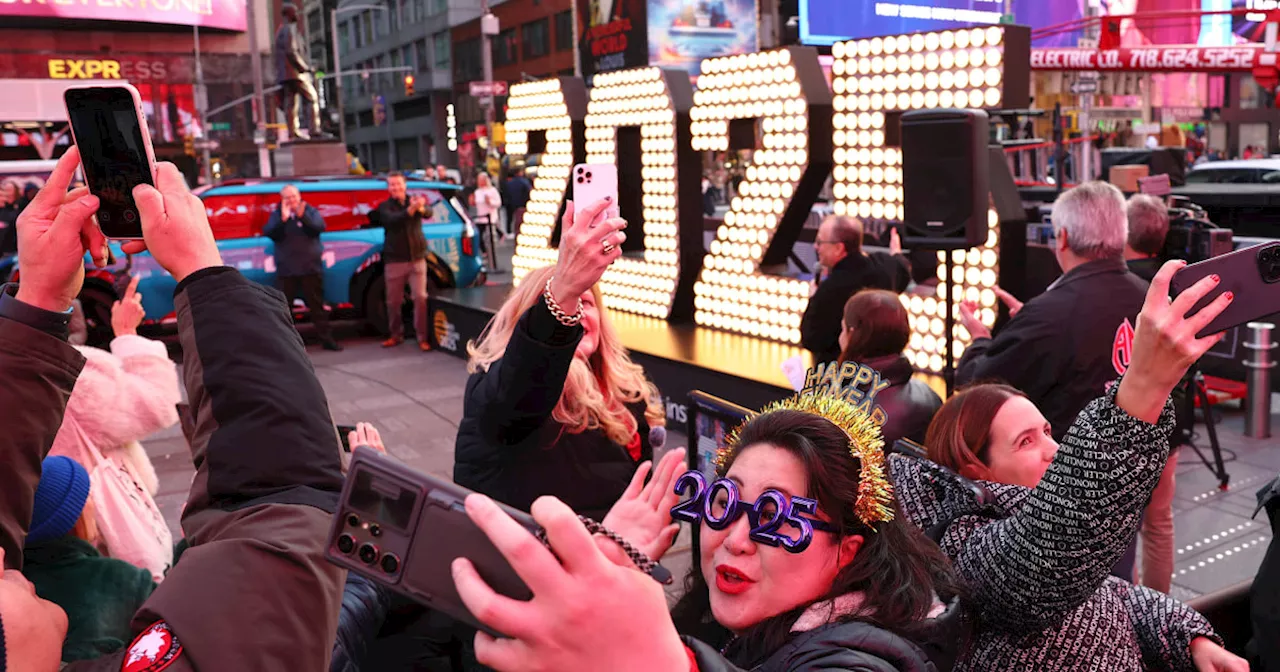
{"points": [[554, 405]]}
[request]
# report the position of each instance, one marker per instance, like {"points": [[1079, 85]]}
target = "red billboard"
{"points": [[225, 14]]}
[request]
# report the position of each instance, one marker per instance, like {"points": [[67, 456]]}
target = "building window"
{"points": [[368, 27], [407, 56], [564, 31], [393, 14], [467, 60], [424, 61], [344, 37], [439, 6], [534, 40], [420, 9], [505, 48], [315, 23], [318, 57], [440, 44]]}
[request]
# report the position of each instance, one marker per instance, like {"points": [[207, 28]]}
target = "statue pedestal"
{"points": [[302, 158]]}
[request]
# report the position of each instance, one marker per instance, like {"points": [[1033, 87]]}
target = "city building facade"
{"points": [[535, 41], [374, 37]]}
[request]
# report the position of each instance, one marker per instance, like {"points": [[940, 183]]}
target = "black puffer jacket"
{"points": [[846, 645], [1036, 560], [909, 405], [364, 609]]}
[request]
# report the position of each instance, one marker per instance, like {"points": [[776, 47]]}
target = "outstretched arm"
{"points": [[267, 463], [38, 369]]}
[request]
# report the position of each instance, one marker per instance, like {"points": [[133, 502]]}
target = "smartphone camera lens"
{"points": [[346, 543], [579, 179], [353, 520], [368, 554], [390, 563], [375, 530]]}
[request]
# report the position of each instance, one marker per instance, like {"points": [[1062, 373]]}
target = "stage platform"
{"points": [[677, 358]]}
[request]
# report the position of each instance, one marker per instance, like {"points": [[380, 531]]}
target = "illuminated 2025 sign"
{"points": [[778, 104]]}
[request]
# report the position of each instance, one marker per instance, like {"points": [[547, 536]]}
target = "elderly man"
{"points": [[1148, 227], [296, 227], [848, 269], [1064, 346]]}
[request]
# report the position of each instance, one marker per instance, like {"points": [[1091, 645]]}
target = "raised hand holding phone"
{"points": [[1165, 342], [174, 225], [54, 232]]}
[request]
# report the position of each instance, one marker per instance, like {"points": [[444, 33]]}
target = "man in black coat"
{"points": [[404, 259], [849, 269], [296, 227], [1064, 346]]}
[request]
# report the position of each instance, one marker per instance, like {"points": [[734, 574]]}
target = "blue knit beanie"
{"points": [[60, 498]]}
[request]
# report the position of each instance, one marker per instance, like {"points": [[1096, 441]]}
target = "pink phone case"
{"points": [[142, 125], [592, 182]]}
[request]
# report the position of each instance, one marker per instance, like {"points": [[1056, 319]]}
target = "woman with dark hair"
{"points": [[1036, 553], [875, 332], [850, 585]]}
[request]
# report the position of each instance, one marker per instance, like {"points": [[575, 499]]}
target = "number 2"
{"points": [[690, 510]]}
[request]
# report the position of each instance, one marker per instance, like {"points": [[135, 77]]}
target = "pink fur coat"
{"points": [[121, 397]]}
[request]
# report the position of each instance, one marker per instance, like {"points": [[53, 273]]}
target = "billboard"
{"points": [[830, 21], [683, 32], [611, 35], [224, 14]]}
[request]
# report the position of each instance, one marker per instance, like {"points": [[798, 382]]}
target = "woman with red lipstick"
{"points": [[844, 584]]}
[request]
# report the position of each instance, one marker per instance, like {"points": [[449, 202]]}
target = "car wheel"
{"points": [[96, 303]]}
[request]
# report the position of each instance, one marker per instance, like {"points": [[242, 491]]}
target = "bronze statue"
{"points": [[294, 74]]}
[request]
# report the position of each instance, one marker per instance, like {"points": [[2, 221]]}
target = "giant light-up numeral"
{"points": [[786, 91], [553, 107], [872, 80], [656, 101]]}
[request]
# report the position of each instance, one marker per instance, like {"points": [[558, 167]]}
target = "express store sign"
{"points": [[138, 69]]}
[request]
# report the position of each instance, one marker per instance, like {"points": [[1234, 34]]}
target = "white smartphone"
{"points": [[594, 181], [110, 128]]}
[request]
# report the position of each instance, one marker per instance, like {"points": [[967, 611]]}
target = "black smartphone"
{"points": [[1251, 273], [403, 528], [344, 433], [109, 127]]}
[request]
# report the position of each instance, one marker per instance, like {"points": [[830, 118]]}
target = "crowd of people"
{"points": [[1004, 543]]}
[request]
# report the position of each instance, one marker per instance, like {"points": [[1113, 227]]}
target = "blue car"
{"points": [[353, 285]]}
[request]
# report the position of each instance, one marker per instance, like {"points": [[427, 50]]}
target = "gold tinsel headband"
{"points": [[875, 493]]}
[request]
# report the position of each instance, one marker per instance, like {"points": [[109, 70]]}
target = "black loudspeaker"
{"points": [[945, 178]]}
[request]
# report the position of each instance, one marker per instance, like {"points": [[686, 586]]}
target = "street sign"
{"points": [[379, 110], [1083, 86], [211, 145], [219, 126], [488, 89]]}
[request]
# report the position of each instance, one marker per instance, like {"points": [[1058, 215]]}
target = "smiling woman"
{"points": [[869, 576]]}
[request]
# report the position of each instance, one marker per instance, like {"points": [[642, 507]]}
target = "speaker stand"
{"points": [[949, 372]]}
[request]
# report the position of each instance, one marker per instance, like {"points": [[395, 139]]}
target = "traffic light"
{"points": [[189, 145], [408, 85]]}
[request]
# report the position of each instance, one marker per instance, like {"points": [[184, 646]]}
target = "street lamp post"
{"points": [[337, 62]]}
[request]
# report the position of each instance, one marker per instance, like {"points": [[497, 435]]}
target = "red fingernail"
{"points": [[1231, 296], [1216, 278]]}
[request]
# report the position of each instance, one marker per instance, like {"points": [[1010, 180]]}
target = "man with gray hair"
{"points": [[1148, 227], [1063, 347]]}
